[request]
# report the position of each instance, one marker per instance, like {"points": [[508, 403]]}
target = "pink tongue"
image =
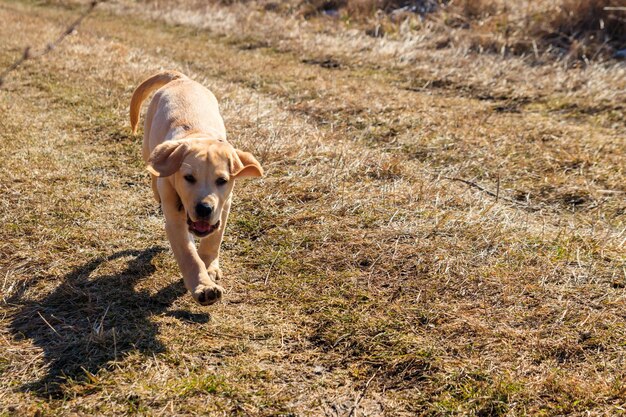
{"points": [[202, 226]]}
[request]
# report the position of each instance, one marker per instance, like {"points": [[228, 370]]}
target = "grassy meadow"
{"points": [[440, 230]]}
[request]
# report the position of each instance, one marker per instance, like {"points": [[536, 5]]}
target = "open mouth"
{"points": [[202, 228]]}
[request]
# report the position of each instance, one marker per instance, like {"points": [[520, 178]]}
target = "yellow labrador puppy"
{"points": [[193, 170]]}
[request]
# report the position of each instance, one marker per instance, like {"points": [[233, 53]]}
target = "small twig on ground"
{"points": [[498, 189], [49, 325], [267, 276], [362, 395], [29, 54], [491, 193]]}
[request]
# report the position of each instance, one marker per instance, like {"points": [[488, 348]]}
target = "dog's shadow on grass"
{"points": [[88, 322]]}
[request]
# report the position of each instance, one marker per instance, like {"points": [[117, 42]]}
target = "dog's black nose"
{"points": [[204, 209]]}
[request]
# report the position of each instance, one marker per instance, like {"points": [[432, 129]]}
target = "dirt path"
{"points": [[359, 281]]}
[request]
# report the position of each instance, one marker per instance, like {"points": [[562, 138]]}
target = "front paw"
{"points": [[215, 273], [207, 294]]}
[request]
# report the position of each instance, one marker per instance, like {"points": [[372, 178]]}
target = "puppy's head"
{"points": [[203, 173]]}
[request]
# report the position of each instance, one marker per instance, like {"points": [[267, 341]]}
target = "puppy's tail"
{"points": [[155, 82]]}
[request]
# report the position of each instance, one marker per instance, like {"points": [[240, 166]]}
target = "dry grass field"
{"points": [[367, 274]]}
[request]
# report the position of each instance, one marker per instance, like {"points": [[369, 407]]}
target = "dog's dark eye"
{"points": [[190, 178], [221, 181]]}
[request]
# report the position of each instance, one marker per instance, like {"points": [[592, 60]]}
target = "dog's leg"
{"points": [[209, 249], [203, 289]]}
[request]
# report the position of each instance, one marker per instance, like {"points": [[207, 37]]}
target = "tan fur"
{"points": [[184, 137]]}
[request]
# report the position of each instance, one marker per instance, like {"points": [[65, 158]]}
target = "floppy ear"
{"points": [[167, 158], [244, 164]]}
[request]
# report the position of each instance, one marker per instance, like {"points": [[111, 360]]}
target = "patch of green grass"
{"points": [[199, 384], [477, 394]]}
